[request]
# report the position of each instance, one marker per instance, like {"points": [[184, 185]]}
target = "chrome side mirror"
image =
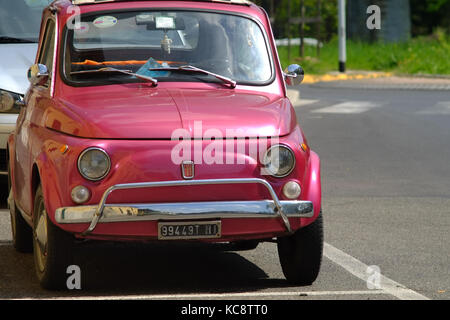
{"points": [[38, 74], [6, 101], [294, 75], [10, 101]]}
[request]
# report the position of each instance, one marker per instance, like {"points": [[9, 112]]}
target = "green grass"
{"points": [[425, 55]]}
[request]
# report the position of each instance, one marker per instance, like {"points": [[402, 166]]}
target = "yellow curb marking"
{"points": [[329, 77]]}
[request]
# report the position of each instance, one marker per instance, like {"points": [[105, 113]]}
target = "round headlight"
{"points": [[279, 161], [6, 101], [292, 190], [80, 194], [94, 164]]}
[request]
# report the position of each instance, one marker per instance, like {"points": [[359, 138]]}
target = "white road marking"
{"points": [[293, 95], [349, 263], [441, 108], [313, 117], [304, 102], [5, 229], [296, 100], [349, 107], [224, 295], [359, 269]]}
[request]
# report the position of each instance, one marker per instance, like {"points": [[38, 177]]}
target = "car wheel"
{"points": [[22, 233], [301, 253], [52, 247]]}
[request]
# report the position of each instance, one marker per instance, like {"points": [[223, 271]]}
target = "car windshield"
{"points": [[227, 45], [20, 20]]}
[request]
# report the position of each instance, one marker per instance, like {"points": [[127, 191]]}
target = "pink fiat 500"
{"points": [[161, 121]]}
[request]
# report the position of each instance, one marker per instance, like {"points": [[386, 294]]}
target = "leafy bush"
{"points": [[421, 55]]}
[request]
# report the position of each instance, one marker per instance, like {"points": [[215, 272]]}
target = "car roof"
{"points": [[238, 2], [243, 6]]}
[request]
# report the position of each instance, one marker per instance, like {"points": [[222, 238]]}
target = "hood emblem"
{"points": [[187, 170]]}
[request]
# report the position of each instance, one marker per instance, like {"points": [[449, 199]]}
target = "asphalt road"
{"points": [[386, 201]]}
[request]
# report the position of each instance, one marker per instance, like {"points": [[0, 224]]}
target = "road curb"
{"points": [[381, 86], [294, 94], [334, 76]]}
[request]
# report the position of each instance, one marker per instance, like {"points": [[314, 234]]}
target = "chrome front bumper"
{"points": [[185, 211]]}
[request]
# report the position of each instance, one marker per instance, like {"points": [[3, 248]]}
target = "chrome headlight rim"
{"points": [[266, 161], [84, 153]]}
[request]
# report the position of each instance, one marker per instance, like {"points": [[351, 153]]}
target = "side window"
{"points": [[47, 50]]}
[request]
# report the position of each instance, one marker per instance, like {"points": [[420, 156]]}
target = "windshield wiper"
{"points": [[189, 68], [127, 72], [6, 39]]}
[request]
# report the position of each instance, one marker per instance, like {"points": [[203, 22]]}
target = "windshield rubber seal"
{"points": [[93, 83]]}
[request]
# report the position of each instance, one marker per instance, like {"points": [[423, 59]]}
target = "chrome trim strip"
{"points": [[278, 209], [55, 55], [184, 211]]}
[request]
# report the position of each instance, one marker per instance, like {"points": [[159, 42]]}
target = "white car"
{"points": [[19, 31]]}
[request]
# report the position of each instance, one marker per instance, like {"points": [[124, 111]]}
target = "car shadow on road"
{"points": [[166, 268], [128, 269], [3, 191]]}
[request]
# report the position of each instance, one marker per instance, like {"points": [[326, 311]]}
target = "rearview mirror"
{"points": [[294, 75], [38, 74]]}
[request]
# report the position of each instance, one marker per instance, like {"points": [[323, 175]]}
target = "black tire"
{"points": [[53, 253], [22, 234], [301, 253]]}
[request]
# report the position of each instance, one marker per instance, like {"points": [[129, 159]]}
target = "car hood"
{"points": [[15, 60], [172, 113]]}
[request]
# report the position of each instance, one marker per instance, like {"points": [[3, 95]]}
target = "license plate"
{"points": [[189, 230]]}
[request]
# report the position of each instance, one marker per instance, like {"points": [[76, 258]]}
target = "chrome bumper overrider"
{"points": [[185, 211]]}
